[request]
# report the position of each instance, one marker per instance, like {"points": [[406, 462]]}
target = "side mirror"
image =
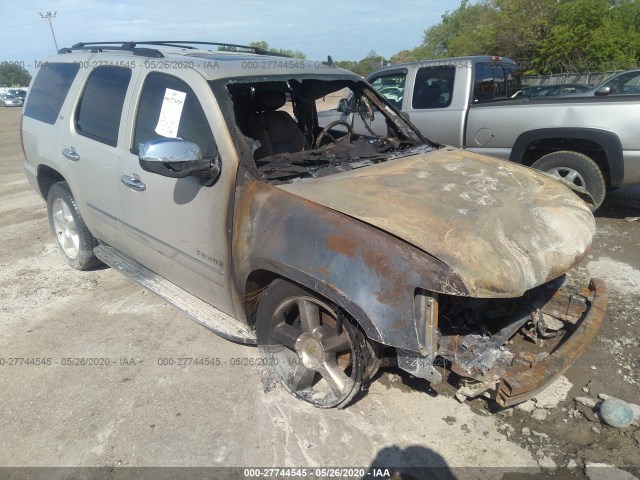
{"points": [[177, 158], [603, 91], [343, 106]]}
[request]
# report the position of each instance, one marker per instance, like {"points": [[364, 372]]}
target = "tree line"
{"points": [[543, 36]]}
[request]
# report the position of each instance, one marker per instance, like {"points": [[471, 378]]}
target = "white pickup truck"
{"points": [[590, 141]]}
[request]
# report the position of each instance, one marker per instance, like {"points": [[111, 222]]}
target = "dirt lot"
{"points": [[135, 411]]}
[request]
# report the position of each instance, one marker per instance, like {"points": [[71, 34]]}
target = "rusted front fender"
{"points": [[369, 273], [520, 383]]}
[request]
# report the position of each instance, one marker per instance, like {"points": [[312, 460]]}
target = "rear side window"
{"points": [[49, 90], [434, 87], [495, 81], [169, 108], [100, 108]]}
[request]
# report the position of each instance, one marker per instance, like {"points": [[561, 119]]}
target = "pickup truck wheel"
{"points": [[75, 242], [315, 351], [576, 168]]}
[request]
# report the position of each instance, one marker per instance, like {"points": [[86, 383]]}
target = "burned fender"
{"points": [[367, 272]]}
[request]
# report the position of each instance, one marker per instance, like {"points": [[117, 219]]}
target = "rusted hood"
{"points": [[502, 227]]}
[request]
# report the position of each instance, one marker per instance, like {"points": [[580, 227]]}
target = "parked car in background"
{"points": [[551, 90], [17, 92], [7, 100], [588, 141], [624, 83]]}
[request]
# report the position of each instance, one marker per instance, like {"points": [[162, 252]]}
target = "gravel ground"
{"points": [[137, 412]]}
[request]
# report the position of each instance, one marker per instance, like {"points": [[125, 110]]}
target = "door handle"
{"points": [[71, 154], [133, 182]]}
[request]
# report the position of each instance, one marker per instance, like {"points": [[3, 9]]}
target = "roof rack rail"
{"points": [[96, 47]]}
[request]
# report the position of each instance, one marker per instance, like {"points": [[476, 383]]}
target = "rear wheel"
{"points": [[578, 169], [75, 242], [315, 351]]}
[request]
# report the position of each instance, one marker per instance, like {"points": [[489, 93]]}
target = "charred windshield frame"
{"points": [[235, 97]]}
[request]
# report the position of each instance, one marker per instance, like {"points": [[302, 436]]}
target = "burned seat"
{"points": [[276, 131]]}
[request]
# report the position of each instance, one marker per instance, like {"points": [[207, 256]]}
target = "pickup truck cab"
{"points": [[184, 169], [589, 141]]}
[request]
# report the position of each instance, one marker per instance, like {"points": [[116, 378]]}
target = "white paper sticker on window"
{"points": [[170, 113]]}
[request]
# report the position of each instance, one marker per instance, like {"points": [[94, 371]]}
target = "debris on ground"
{"points": [[586, 401], [616, 413], [556, 392]]}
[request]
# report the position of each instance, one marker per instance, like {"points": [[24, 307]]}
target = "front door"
{"points": [[178, 227]]}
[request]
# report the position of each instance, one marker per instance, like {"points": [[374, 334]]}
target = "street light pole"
{"points": [[49, 16]]}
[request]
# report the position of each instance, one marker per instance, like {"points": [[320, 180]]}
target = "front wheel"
{"points": [[75, 242], [578, 169], [315, 351]]}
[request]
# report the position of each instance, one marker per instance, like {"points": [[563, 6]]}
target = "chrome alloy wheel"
{"points": [[313, 357], [568, 175], [65, 228]]}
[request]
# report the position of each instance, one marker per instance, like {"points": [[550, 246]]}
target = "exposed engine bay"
{"points": [[483, 340]]}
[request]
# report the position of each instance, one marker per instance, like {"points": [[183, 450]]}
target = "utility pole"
{"points": [[49, 16]]}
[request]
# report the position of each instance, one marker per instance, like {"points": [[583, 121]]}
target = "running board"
{"points": [[210, 317]]}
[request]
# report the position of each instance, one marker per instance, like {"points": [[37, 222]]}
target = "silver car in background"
{"points": [[7, 100]]}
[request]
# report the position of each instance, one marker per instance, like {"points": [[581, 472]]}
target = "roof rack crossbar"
{"points": [[150, 52]]}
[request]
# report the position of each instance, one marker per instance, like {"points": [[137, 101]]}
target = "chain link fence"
{"points": [[590, 78]]}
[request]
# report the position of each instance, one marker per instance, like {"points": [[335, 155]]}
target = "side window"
{"points": [[495, 81], [434, 87], [391, 87], [626, 84], [100, 108], [49, 90], [169, 108], [514, 78]]}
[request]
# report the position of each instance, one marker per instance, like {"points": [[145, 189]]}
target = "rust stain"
{"points": [[343, 244]]}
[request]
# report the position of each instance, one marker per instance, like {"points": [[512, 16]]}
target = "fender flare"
{"points": [[318, 286], [609, 142]]}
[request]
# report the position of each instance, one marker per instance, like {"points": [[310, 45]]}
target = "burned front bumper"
{"points": [[520, 357], [522, 382]]}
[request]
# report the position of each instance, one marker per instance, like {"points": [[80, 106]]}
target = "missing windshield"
{"points": [[302, 128]]}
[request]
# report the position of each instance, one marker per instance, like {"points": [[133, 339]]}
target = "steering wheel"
{"points": [[325, 132]]}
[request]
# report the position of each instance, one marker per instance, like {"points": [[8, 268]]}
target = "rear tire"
{"points": [[316, 352], [576, 168], [74, 240]]}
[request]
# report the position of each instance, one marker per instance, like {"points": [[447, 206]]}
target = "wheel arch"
{"points": [[602, 146], [260, 278], [48, 176]]}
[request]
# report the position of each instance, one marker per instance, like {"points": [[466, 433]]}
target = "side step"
{"points": [[210, 317]]}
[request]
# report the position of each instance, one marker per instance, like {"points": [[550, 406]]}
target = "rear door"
{"points": [[437, 103], [178, 227], [92, 144]]}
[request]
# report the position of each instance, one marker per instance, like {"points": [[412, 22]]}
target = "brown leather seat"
{"points": [[276, 131]]}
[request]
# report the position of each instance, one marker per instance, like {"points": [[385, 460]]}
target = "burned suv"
{"points": [[203, 175]]}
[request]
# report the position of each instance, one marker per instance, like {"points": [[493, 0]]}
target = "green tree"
{"points": [[14, 75], [591, 35], [544, 36]]}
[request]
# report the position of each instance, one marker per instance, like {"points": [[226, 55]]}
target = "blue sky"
{"points": [[345, 30]]}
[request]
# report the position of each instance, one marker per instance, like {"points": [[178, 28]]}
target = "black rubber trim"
{"points": [[609, 142]]}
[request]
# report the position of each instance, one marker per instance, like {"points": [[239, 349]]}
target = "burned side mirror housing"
{"points": [[343, 106], [178, 158]]}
